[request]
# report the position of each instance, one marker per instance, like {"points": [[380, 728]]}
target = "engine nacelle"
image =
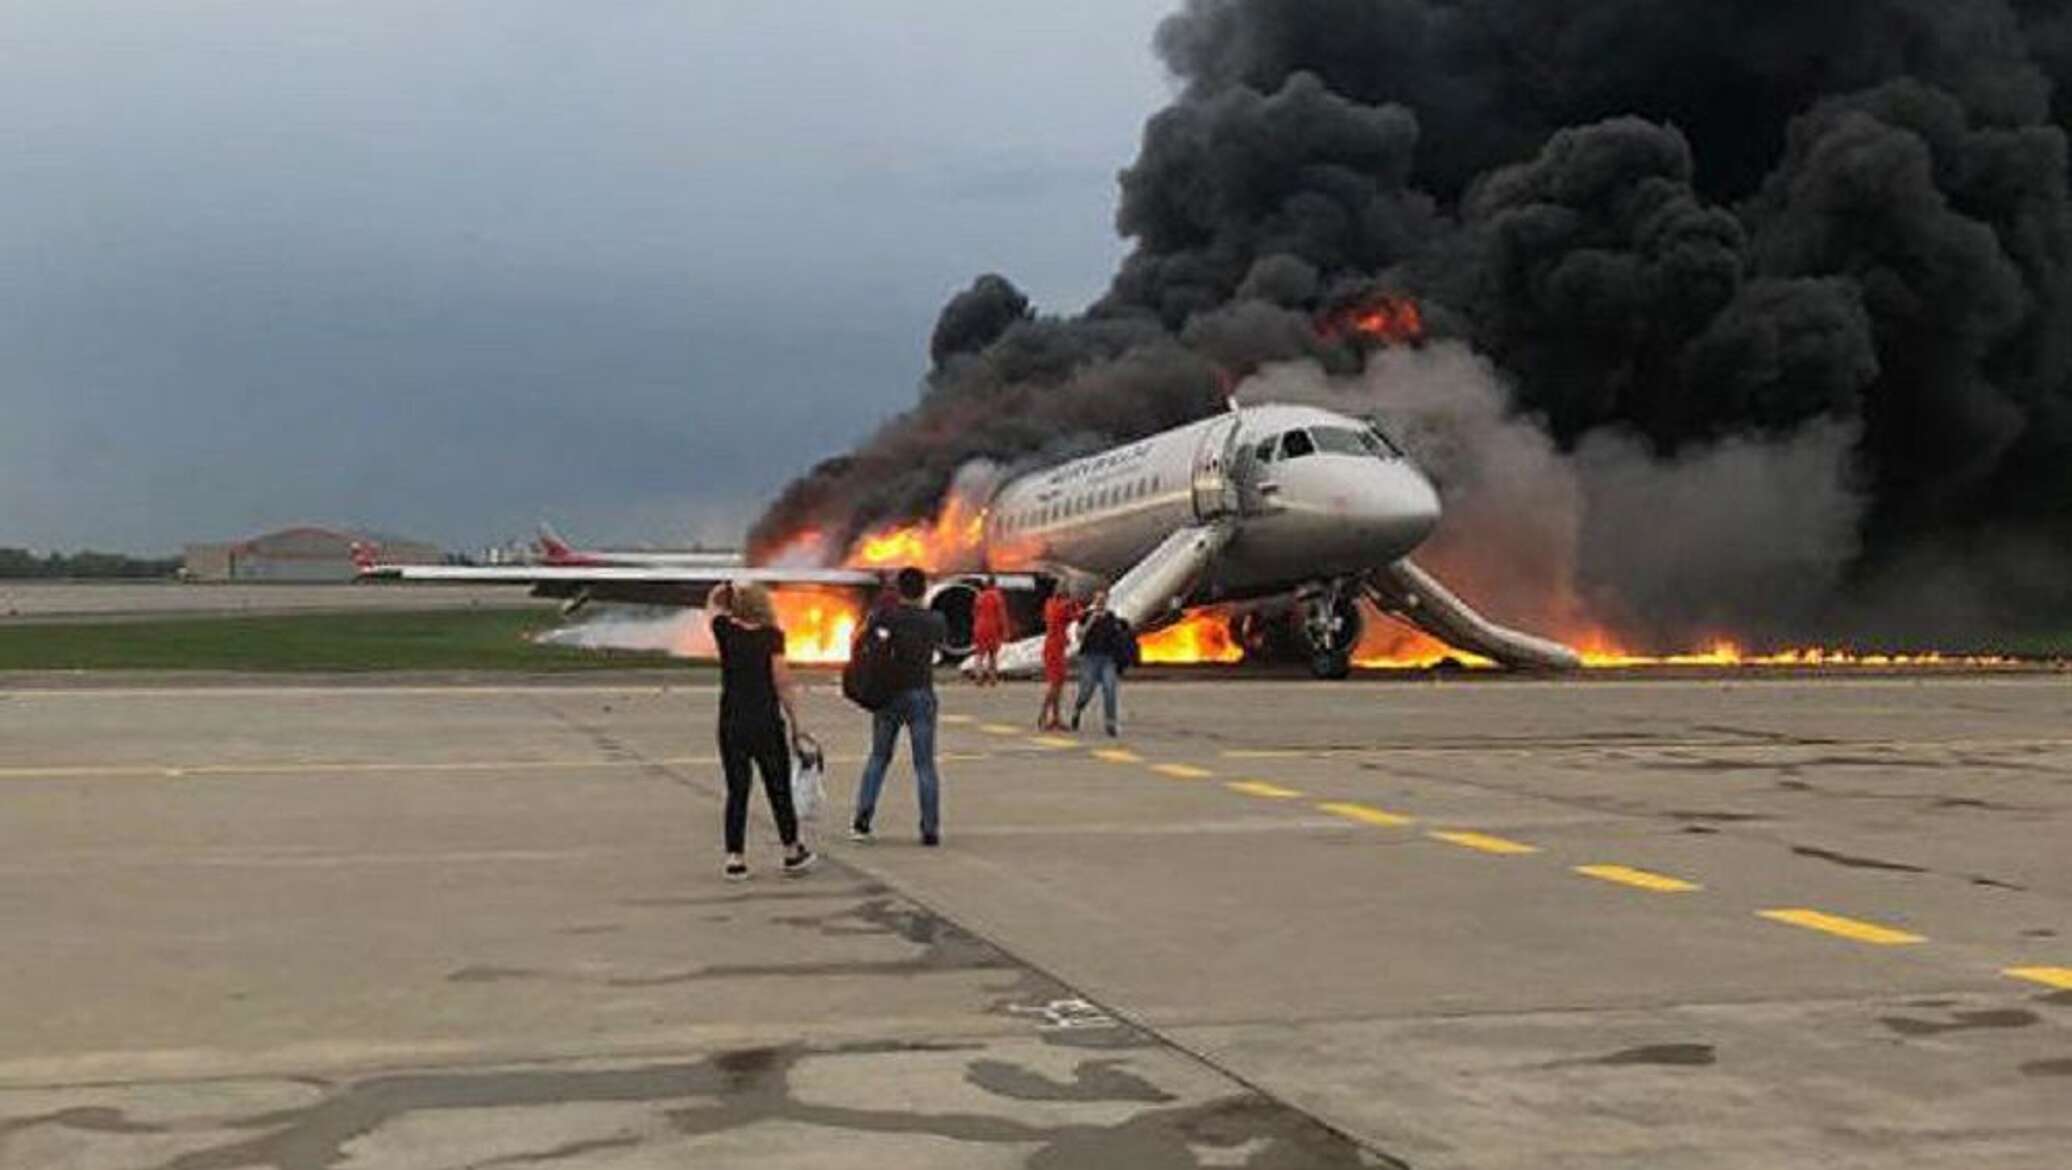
{"points": [[957, 602]]}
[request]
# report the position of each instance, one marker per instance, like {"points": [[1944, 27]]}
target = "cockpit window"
{"points": [[1296, 444], [1340, 441], [1378, 441]]}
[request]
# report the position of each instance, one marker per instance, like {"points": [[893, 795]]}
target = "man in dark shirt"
{"points": [[917, 634], [1107, 647]]}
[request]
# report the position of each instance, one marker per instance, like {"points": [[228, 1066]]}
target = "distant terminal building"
{"points": [[300, 554]]}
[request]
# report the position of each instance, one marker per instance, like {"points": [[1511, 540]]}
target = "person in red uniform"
{"points": [[1059, 612], [989, 631]]}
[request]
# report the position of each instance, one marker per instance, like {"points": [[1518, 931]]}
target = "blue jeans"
{"points": [[1096, 670], [915, 710]]}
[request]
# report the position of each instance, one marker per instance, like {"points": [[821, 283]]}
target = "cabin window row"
{"points": [[1081, 504]]}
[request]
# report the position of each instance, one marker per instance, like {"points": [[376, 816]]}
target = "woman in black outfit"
{"points": [[755, 703]]}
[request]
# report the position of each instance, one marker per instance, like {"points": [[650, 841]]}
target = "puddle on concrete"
{"points": [[1961, 1022]]}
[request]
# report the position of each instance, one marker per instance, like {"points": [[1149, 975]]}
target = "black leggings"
{"points": [[741, 751]]}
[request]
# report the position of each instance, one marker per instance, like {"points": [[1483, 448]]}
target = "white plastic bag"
{"points": [[808, 778]]}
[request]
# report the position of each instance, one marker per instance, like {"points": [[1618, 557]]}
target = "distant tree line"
{"points": [[18, 563]]}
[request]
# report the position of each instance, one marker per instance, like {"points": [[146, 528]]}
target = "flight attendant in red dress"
{"points": [[1059, 612], [989, 631]]}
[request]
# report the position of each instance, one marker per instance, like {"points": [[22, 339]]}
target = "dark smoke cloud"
{"points": [[1770, 233]]}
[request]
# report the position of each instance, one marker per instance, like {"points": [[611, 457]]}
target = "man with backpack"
{"points": [[1107, 647], [892, 673]]}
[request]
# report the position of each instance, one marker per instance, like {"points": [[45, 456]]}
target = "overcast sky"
{"points": [[445, 267]]}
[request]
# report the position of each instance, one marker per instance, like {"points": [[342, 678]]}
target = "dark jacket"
{"points": [[917, 634], [1109, 636]]}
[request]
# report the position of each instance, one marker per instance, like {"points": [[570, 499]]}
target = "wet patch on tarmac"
{"points": [[1961, 1022], [90, 1119], [1997, 884], [1845, 859], [805, 893], [1676, 1055], [1722, 818], [2048, 1068], [1093, 1080], [1648, 1055], [596, 928], [737, 1089], [492, 974]]}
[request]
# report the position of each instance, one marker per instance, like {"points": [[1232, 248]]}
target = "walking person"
{"points": [[756, 704], [1060, 610], [988, 632], [1106, 648], [917, 634]]}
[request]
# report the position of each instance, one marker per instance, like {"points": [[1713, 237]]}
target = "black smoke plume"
{"points": [[1670, 226]]}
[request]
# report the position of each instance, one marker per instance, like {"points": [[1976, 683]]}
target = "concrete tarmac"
{"points": [[1693, 924]]}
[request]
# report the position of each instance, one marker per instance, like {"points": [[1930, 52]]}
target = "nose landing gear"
{"points": [[1331, 625]]}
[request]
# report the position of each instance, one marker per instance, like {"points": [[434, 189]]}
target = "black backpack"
{"points": [[869, 679]]}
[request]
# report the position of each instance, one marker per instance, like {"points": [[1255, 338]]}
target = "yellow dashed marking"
{"points": [[1485, 843], [1053, 741], [1639, 879], [1365, 814], [1849, 928], [2058, 977], [1262, 788], [1118, 756], [999, 729], [958, 719], [1182, 771], [1262, 754]]}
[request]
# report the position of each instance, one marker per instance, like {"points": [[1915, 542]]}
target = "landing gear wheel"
{"points": [[1331, 664]]}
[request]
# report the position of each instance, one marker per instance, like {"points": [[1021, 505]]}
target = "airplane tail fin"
{"points": [[553, 549]]}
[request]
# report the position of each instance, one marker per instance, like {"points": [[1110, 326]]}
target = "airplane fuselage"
{"points": [[1311, 494]]}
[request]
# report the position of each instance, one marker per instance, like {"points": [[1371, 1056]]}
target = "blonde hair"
{"points": [[751, 603]]}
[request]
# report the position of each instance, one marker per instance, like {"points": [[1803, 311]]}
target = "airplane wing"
{"points": [[685, 586], [672, 585]]}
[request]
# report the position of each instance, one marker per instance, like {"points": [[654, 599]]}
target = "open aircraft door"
{"points": [[1215, 473]]}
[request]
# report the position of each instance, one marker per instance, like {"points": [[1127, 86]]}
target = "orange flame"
{"points": [[954, 540], [1201, 636], [818, 624], [1377, 320]]}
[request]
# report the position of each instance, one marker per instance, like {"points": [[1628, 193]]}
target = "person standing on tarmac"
{"points": [[918, 633], [988, 632], [1060, 610], [1106, 648], [755, 705]]}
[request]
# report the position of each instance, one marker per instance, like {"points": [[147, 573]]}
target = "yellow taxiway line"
{"points": [[1262, 788], [1639, 879], [2058, 977], [1849, 928], [1365, 814], [1483, 842]]}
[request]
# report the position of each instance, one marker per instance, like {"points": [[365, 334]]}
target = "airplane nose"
{"points": [[1402, 509]]}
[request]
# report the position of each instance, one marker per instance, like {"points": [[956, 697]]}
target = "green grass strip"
{"points": [[473, 639]]}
